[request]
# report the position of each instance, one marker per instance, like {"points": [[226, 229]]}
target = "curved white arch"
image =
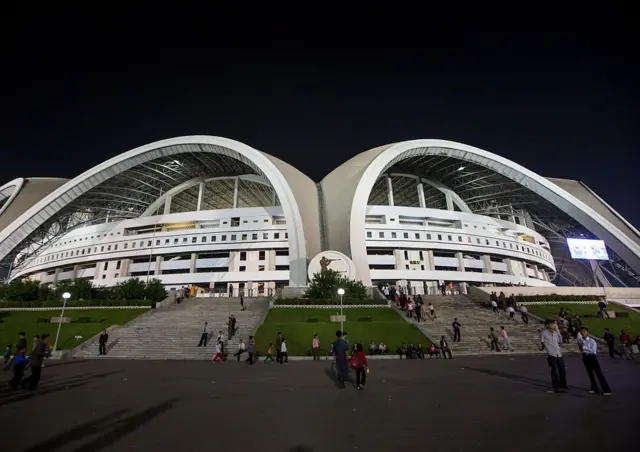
{"points": [[11, 189], [457, 200], [578, 210], [24, 225]]}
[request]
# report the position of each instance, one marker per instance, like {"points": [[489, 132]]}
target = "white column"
{"points": [[509, 265], [536, 272], [158, 269], [273, 197], [389, 191], [200, 195], [525, 270], [460, 259], [167, 205], [192, 265], [431, 260], [235, 192], [421, 199], [486, 259], [449, 199]]}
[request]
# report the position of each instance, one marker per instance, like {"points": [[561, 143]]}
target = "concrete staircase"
{"points": [[476, 320], [174, 332]]}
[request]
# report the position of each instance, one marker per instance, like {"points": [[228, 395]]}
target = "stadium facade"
{"points": [[217, 214]]}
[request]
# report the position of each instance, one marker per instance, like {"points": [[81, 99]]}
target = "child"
{"points": [[361, 367], [270, 353], [218, 355], [7, 354], [283, 352]]}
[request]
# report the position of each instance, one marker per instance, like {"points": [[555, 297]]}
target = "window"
{"points": [[260, 268], [368, 234], [254, 236], [406, 255], [486, 241], [175, 241], [235, 222], [166, 242], [406, 235], [450, 239], [497, 244], [243, 268], [428, 236], [286, 235], [393, 235], [148, 243], [381, 234], [106, 265], [223, 238], [194, 239], [478, 241], [118, 265], [468, 239], [243, 255], [233, 237], [261, 256], [417, 236], [421, 256], [459, 238], [213, 238], [108, 248], [117, 275], [265, 236], [157, 242], [126, 245], [184, 240], [244, 221], [204, 239], [439, 236], [276, 236], [422, 267]]}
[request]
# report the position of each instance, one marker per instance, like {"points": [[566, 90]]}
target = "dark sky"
{"points": [[561, 102]]}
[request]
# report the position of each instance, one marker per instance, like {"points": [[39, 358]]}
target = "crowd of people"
{"points": [[21, 361]]}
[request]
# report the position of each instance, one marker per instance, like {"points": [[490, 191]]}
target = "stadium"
{"points": [[220, 216]]}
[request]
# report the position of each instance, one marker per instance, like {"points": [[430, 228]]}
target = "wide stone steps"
{"points": [[475, 321], [174, 333]]}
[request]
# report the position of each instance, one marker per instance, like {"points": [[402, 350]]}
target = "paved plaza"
{"points": [[466, 404]]}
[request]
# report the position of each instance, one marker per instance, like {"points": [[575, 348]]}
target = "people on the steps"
{"points": [[204, 336], [456, 330], [506, 345], [493, 340], [218, 356], [102, 341], [241, 349], [524, 314], [444, 348]]}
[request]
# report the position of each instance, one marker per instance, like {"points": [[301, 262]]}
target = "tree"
{"points": [[154, 290], [325, 285]]}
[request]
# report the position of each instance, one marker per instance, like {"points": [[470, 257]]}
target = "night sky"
{"points": [[562, 103]]}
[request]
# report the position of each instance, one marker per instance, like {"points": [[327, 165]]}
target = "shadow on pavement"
{"points": [[110, 429], [519, 378], [12, 396]]}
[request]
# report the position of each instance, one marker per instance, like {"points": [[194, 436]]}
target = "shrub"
{"points": [[325, 285]]}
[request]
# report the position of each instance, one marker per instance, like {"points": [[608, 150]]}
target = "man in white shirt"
{"points": [[589, 349], [550, 342]]}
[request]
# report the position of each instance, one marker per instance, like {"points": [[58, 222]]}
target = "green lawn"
{"points": [[13, 322], [363, 325], [596, 326]]}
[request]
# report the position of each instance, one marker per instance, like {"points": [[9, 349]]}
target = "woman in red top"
{"points": [[361, 367]]}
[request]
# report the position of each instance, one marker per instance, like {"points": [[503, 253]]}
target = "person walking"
{"points": [[204, 336], [524, 314], [271, 351], [218, 355], [278, 347], [242, 308], [493, 340], [315, 346], [589, 349], [550, 340], [444, 348], [284, 354], [37, 360], [506, 344], [456, 330], [361, 366], [241, 349], [340, 350], [610, 339], [250, 349], [104, 337]]}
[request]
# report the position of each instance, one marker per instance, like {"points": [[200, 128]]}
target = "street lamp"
{"points": [[341, 293], [65, 297]]}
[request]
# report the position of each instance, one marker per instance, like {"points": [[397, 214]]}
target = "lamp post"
{"points": [[65, 297], [341, 293]]}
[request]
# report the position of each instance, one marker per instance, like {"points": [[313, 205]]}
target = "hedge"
{"points": [[332, 302], [74, 303]]}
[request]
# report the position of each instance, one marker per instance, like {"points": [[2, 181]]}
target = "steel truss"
{"points": [[130, 193], [489, 193]]}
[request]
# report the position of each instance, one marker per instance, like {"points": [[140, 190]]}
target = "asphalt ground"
{"points": [[465, 404]]}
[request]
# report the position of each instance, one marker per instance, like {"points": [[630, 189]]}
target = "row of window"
{"points": [[450, 238], [164, 242]]}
